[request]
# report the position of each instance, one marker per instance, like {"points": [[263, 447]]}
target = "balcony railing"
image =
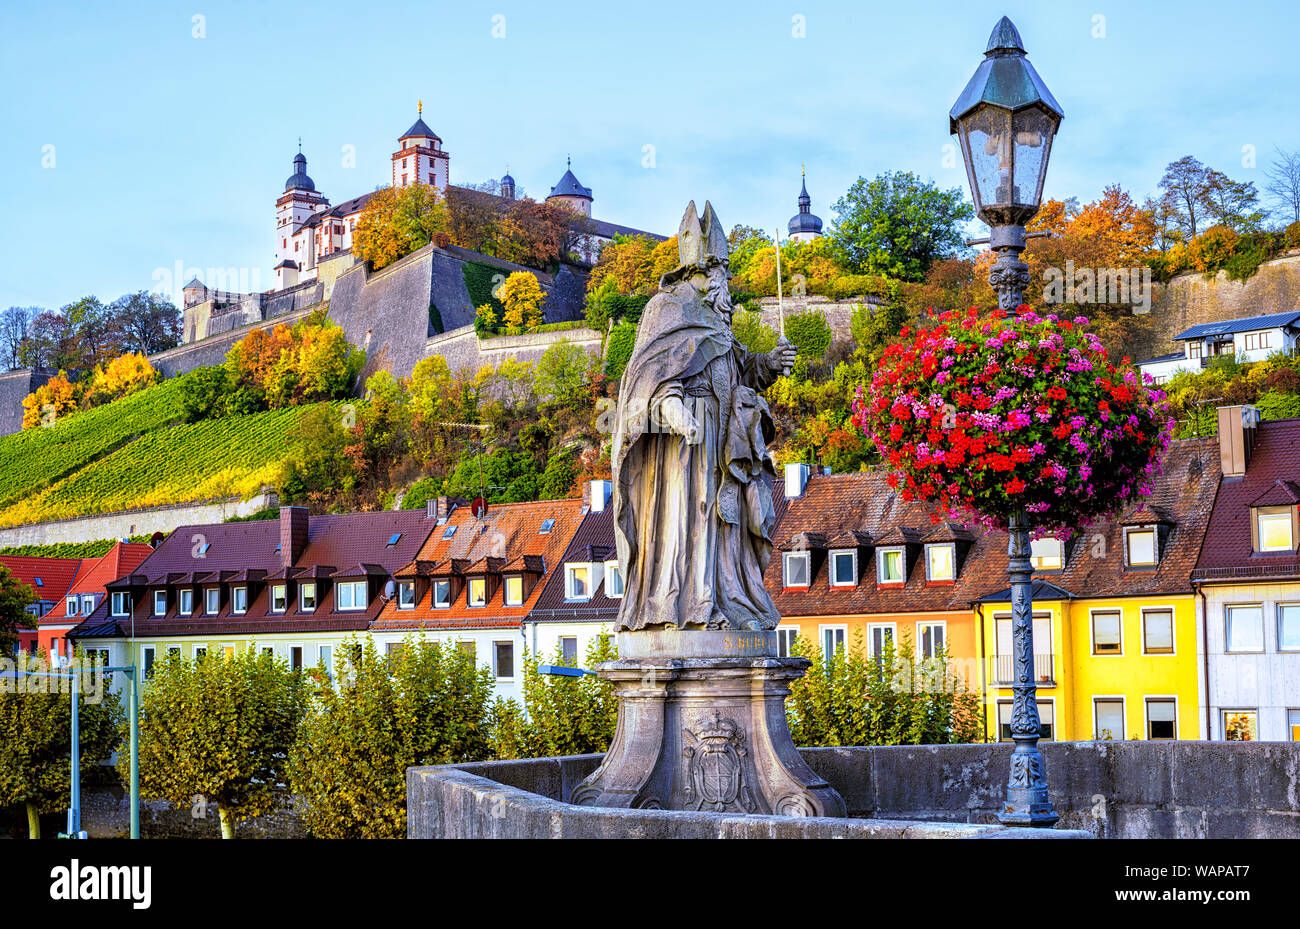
{"points": [[1005, 669]]}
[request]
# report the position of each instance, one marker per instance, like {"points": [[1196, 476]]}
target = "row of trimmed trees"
{"points": [[243, 735]]}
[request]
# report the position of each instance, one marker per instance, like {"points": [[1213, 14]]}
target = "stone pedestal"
{"points": [[702, 726]]}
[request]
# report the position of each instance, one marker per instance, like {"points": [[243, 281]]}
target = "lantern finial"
{"points": [[1005, 38]]}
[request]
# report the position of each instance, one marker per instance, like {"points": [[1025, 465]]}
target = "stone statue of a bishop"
{"points": [[693, 506]]}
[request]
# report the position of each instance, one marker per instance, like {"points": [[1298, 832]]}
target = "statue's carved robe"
{"points": [[693, 521]]}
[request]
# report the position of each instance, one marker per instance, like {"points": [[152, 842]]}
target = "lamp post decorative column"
{"points": [[1006, 119]]}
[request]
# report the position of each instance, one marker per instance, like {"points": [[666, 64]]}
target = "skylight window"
{"points": [[547, 526], [449, 532], [392, 540]]}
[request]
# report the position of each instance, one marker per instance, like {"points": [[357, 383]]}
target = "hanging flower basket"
{"points": [[987, 415]]}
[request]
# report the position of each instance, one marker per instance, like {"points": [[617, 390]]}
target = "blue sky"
{"points": [[173, 148]]}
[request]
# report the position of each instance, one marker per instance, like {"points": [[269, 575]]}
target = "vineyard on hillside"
{"points": [[34, 459], [233, 456]]}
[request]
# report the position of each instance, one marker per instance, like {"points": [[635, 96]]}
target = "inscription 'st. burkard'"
{"points": [[693, 506]]}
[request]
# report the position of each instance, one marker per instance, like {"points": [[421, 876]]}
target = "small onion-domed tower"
{"points": [[804, 226]]}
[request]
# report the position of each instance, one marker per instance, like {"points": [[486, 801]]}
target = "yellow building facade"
{"points": [[1107, 667]]}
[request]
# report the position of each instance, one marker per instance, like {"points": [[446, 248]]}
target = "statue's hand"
{"points": [[783, 356], [680, 421]]}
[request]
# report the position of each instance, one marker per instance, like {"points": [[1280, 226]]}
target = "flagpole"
{"points": [[780, 309]]}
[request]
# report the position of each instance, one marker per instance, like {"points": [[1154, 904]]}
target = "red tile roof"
{"points": [[94, 573], [1273, 466], [505, 535], [55, 574]]}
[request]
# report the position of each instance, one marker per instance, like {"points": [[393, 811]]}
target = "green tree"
{"points": [[899, 225], [618, 349], [810, 333], [219, 727], [36, 740], [873, 327], [561, 715], [522, 297], [426, 703], [317, 461], [15, 597], [562, 373], [894, 698], [752, 332]]}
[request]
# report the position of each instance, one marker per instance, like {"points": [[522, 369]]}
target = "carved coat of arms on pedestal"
{"points": [[716, 768]]}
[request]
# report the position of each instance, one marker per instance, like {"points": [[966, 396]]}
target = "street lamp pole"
{"points": [[1006, 119]]}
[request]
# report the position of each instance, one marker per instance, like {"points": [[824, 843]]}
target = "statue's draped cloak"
{"points": [[693, 520]]}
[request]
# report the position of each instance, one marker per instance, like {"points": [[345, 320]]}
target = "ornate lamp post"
{"points": [[1006, 119]]}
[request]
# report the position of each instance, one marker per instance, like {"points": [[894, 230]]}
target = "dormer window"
{"points": [[613, 580], [1140, 547], [406, 595], [941, 562], [442, 595], [211, 600], [351, 595], [1274, 529], [279, 598], [798, 569], [477, 591], [307, 597], [577, 582], [514, 590], [72, 606], [186, 602], [160, 603], [87, 604], [121, 603], [1047, 554], [239, 600], [891, 565], [844, 568]]}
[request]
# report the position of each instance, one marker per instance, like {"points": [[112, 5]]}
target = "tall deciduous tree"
{"points": [[396, 221], [1184, 188], [146, 322], [899, 225], [423, 704], [220, 727], [522, 297], [14, 323], [1284, 184], [36, 738]]}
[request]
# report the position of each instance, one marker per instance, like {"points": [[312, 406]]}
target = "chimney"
{"points": [[796, 479], [597, 494], [1237, 430], [441, 507], [293, 533]]}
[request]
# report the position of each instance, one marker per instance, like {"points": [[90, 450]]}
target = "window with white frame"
{"points": [[468, 648], [1288, 627], [1107, 634], [785, 636], [514, 590], [569, 650], [1273, 529], [477, 588], [279, 597], [941, 562], [613, 580], [1108, 718], [442, 595], [186, 607], [879, 638], [1244, 628], [503, 654], [147, 654], [891, 567], [1158, 632], [1241, 725], [239, 600], [307, 597], [844, 568], [211, 600], [1293, 725], [200, 652], [121, 603], [1047, 554], [325, 659], [351, 595], [932, 637], [1140, 547], [71, 606], [1162, 719], [797, 567], [577, 582], [295, 657], [406, 595], [832, 641], [87, 604]]}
